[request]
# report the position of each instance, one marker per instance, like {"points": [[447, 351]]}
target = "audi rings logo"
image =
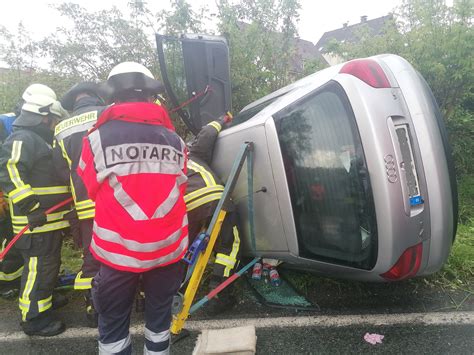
{"points": [[390, 168]]}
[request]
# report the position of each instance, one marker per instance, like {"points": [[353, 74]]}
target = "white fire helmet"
{"points": [[40, 99]]}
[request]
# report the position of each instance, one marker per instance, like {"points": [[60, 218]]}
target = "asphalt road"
{"points": [[400, 339], [348, 311]]}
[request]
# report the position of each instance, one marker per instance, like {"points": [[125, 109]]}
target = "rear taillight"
{"points": [[407, 265], [367, 70]]}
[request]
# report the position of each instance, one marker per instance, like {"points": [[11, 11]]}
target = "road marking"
{"points": [[434, 318]]}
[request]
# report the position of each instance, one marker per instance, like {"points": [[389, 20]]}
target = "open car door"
{"points": [[207, 76]]}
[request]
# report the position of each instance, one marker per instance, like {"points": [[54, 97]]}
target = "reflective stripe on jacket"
{"points": [[133, 165], [27, 175], [204, 186], [67, 151]]}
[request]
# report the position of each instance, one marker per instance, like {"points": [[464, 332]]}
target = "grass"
{"points": [[71, 257], [466, 199], [458, 272]]}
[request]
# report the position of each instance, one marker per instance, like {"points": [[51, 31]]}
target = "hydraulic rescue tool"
{"points": [[19, 235], [200, 251]]}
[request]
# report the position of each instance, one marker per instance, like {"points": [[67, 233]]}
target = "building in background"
{"points": [[349, 33]]}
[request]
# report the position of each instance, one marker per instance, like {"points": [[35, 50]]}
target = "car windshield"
{"points": [[328, 179]]}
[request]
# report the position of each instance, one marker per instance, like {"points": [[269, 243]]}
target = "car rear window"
{"points": [[328, 180]]}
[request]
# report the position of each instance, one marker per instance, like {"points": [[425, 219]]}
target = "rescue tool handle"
{"points": [[222, 286], [18, 236], [196, 270]]}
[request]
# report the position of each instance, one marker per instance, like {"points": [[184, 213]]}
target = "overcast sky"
{"points": [[316, 17]]}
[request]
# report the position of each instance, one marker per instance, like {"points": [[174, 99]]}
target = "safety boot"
{"points": [[91, 315], [44, 325]]}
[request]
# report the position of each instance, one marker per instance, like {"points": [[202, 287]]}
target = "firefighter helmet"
{"points": [[69, 98], [130, 78], [39, 100]]}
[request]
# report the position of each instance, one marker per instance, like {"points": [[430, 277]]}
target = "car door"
{"points": [[207, 78]]}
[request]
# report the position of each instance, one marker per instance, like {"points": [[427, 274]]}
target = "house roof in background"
{"points": [[348, 33]]}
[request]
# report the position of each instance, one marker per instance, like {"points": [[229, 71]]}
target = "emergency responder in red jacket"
{"points": [[28, 176], [85, 102], [202, 196], [133, 165]]}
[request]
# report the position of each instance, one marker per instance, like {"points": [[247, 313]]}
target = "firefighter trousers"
{"points": [[41, 253], [90, 266], [113, 293], [227, 248], [11, 267]]}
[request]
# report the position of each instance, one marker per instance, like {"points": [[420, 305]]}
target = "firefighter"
{"points": [[27, 176], [12, 267], [202, 196], [86, 104], [133, 165]]}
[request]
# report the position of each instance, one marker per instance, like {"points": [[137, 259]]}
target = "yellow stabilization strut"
{"points": [[193, 285]]}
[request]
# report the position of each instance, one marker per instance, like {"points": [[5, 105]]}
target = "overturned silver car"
{"points": [[353, 170], [357, 171]]}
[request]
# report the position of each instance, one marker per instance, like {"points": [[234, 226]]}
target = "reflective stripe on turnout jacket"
{"points": [[204, 187], [133, 165], [67, 151], [28, 176]]}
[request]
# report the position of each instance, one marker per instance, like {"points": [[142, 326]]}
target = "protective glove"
{"points": [[37, 218]]}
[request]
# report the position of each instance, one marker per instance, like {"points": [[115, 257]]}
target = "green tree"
{"points": [[260, 35], [22, 56], [93, 42]]}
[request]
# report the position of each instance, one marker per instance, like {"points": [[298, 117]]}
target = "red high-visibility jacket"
{"points": [[133, 165]]}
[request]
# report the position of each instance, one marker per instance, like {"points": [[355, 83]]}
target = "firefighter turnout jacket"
{"points": [[203, 193], [133, 165], [28, 176], [203, 185], [67, 151], [11, 267]]}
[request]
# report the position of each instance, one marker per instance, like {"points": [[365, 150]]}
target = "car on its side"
{"points": [[358, 173]]}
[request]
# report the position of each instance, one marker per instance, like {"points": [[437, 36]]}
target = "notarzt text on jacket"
{"points": [[135, 152]]}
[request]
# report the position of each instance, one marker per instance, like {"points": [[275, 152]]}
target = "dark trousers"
{"points": [[113, 294], [11, 267], [227, 247], [41, 253], [90, 266]]}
